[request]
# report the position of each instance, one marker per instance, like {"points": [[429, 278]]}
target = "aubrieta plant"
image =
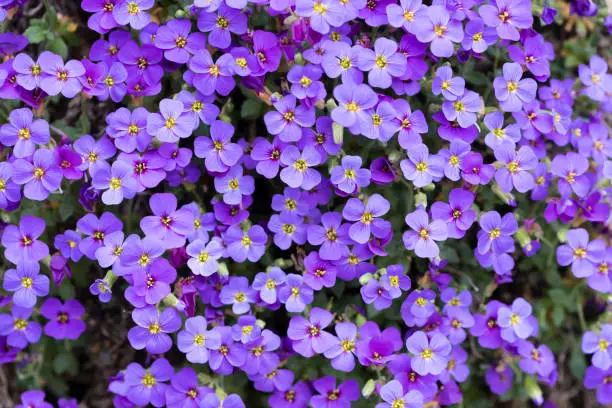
{"points": [[305, 203]]}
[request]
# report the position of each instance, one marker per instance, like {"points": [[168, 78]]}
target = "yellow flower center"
{"points": [[180, 42], [595, 78], [494, 233], [288, 229], [222, 22], [246, 241], [427, 353], [580, 253], [38, 172], [513, 167], [214, 70], [439, 30], [367, 217], [381, 61], [239, 297], [511, 86], [24, 134], [459, 106], [144, 260], [109, 81], [352, 107], [499, 133], [394, 281], [421, 301], [319, 7], [133, 8], [27, 282], [203, 257], [421, 166], [289, 116], [241, 62], [199, 340], [305, 81], [423, 233], [170, 122], [454, 160], [477, 37], [603, 344], [347, 345], [409, 16], [514, 319], [20, 324], [154, 328], [148, 380], [300, 165], [114, 183], [346, 63]]}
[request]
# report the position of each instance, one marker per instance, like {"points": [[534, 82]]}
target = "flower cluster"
{"points": [[368, 114]]}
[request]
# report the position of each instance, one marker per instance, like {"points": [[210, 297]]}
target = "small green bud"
{"points": [[369, 388]]}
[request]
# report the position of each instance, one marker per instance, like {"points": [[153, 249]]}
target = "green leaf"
{"points": [[66, 290], [65, 362], [577, 363], [251, 109], [36, 34], [83, 123], [58, 46], [558, 314]]}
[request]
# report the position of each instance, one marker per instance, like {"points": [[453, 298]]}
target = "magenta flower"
{"points": [[21, 243], [65, 322], [507, 16], [308, 336]]}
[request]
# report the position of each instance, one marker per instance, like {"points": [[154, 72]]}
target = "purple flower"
{"points": [[296, 396], [118, 181], [147, 386], [298, 172], [221, 24], [453, 157], [295, 294], [366, 219], [128, 129], [383, 63], [514, 320], [168, 225], [305, 82], [332, 396], [349, 176], [321, 14], [308, 336], [430, 355], [228, 355], [178, 43], [18, 329], [457, 214], [218, 152], [341, 353], [184, 391], [94, 153], [571, 169], [474, 171], [287, 121], [596, 78], [65, 322], [341, 60], [196, 340], [444, 83], [424, 234], [535, 57], [439, 30], [245, 245], [511, 91], [68, 244], [10, 192], [515, 172], [596, 378], [102, 290], [234, 185], [405, 14], [24, 133], [231, 401], [319, 272], [580, 253], [33, 399], [203, 257], [496, 232], [59, 77], [422, 168], [239, 294], [353, 101], [507, 16], [21, 243], [394, 396], [498, 134], [172, 123], [132, 12], [463, 109], [478, 37], [41, 176], [153, 284], [152, 329], [267, 284], [288, 227], [499, 379]]}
